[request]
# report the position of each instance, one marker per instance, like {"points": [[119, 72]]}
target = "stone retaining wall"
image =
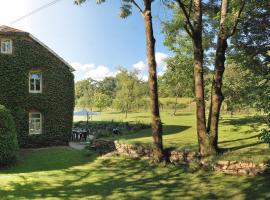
{"points": [[241, 168], [178, 157]]}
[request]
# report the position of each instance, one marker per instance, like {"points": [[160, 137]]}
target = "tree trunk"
{"points": [[205, 147], [91, 114], [87, 119], [177, 91], [217, 96], [175, 105], [153, 85]]}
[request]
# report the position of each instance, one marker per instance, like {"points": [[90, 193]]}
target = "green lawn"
{"points": [[238, 133], [64, 173]]}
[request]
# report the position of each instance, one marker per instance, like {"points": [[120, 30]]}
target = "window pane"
{"points": [[35, 123], [6, 46], [37, 126], [35, 75], [38, 85], [32, 84], [35, 81], [35, 115]]}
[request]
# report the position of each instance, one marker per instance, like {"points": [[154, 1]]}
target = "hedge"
{"points": [[8, 138], [56, 102]]}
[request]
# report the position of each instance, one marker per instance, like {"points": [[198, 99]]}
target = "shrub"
{"points": [[8, 138], [265, 136], [265, 133], [105, 129]]}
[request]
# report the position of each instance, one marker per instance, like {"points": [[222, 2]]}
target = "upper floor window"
{"points": [[35, 82], [6, 46], [35, 123]]}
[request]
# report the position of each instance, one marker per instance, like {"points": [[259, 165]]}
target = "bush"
{"points": [[265, 136], [8, 138], [105, 129], [265, 133]]}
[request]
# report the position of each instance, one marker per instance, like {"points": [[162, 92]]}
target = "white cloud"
{"points": [[161, 66], [160, 59], [84, 71], [99, 72], [141, 66], [143, 77]]}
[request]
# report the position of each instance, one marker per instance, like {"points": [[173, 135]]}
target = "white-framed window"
{"points": [[35, 82], [35, 123], [6, 46]]}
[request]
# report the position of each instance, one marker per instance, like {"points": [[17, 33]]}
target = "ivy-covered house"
{"points": [[38, 87]]}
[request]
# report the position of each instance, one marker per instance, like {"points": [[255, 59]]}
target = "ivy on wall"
{"points": [[56, 102]]}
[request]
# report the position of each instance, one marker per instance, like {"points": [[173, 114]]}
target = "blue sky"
{"points": [[93, 38]]}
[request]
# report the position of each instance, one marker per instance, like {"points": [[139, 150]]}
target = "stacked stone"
{"points": [[240, 167]]}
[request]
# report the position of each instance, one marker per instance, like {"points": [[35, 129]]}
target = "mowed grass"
{"points": [[64, 173], [237, 134]]}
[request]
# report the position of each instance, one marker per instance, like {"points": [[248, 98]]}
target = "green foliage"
{"points": [[265, 133], [251, 42], [128, 93], [105, 128], [85, 91], [265, 136], [125, 8], [56, 102], [8, 138], [81, 87], [107, 86], [102, 101], [95, 94], [239, 87], [178, 78], [111, 91]]}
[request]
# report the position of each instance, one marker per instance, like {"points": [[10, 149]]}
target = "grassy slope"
{"points": [[63, 173], [238, 133]]}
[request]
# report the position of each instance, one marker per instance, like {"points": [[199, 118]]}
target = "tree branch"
{"points": [[237, 19], [137, 6], [190, 7], [190, 30]]}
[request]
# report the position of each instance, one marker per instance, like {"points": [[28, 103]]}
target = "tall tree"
{"points": [[108, 86], [179, 78], [127, 92], [192, 18], [201, 19], [230, 12], [85, 94], [146, 11]]}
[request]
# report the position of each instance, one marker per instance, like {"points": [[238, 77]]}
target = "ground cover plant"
{"points": [[110, 128]]}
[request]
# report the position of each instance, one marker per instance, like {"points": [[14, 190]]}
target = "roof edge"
{"points": [[51, 51]]}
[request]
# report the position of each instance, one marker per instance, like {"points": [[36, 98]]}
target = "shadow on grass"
{"points": [[55, 158], [240, 139], [255, 122], [244, 146], [167, 130], [123, 178], [142, 117]]}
